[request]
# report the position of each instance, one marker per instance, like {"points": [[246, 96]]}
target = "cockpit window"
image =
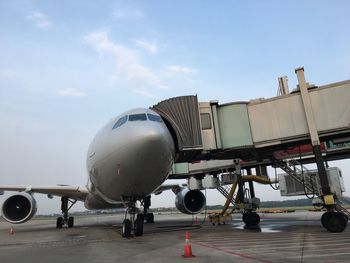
{"points": [[153, 117], [138, 117], [120, 122]]}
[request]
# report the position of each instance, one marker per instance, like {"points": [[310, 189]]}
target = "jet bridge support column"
{"points": [[315, 141], [332, 220]]}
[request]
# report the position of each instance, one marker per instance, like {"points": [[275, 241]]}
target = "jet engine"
{"points": [[19, 208], [190, 201]]}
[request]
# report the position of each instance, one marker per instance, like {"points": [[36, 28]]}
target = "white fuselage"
{"points": [[128, 162]]}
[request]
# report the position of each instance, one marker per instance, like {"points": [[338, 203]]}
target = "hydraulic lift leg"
{"points": [[250, 217], [332, 220], [315, 141], [240, 193], [251, 184]]}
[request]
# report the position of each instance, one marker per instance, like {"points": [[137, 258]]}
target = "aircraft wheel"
{"points": [[126, 228], [334, 221], [150, 218], [139, 227], [251, 218], [59, 222], [70, 222], [141, 216]]}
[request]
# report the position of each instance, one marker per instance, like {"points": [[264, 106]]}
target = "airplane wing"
{"points": [[71, 191]]}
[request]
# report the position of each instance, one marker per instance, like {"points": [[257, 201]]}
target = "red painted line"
{"points": [[231, 252]]}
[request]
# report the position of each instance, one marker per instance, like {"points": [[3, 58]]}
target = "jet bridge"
{"points": [[264, 132], [256, 129]]}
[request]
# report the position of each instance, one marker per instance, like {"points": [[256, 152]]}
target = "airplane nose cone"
{"points": [[152, 143], [147, 159]]}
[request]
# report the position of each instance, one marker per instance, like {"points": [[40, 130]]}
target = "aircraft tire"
{"points": [[142, 216], [150, 218], [126, 228], [70, 222], [139, 227], [59, 222]]}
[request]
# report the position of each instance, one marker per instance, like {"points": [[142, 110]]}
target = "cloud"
{"points": [[9, 74], [127, 14], [150, 47], [145, 94], [128, 63], [40, 19], [71, 93], [180, 69]]}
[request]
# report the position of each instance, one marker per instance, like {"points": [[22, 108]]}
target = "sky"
{"points": [[67, 67]]}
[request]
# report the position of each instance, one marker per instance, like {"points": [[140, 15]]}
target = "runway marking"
{"points": [[231, 252], [277, 247], [305, 252], [286, 254], [328, 255], [266, 241], [285, 248]]}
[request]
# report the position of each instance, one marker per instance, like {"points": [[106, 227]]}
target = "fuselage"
{"points": [[128, 158]]}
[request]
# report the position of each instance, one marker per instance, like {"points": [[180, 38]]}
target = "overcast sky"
{"points": [[67, 67]]}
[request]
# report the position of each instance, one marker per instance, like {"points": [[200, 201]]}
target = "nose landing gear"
{"points": [[136, 219], [132, 224]]}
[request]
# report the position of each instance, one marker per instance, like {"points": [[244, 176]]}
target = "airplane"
{"points": [[128, 160]]}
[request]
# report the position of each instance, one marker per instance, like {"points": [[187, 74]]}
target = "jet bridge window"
{"points": [[206, 121], [153, 117], [138, 117], [120, 122]]}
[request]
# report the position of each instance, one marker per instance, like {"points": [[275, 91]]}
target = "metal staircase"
{"points": [[341, 203], [291, 167]]}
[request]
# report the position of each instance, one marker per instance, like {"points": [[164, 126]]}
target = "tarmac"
{"points": [[291, 237]]}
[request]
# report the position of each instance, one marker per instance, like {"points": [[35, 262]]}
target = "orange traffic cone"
{"points": [[12, 231], [188, 249]]}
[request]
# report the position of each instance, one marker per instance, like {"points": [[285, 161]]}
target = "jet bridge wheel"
{"points": [[251, 218], [126, 228], [334, 221]]}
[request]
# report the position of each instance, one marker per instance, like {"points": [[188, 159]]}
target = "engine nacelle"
{"points": [[19, 208], [190, 201]]}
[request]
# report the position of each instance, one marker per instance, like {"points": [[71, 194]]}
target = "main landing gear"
{"points": [[64, 219], [133, 224], [146, 203]]}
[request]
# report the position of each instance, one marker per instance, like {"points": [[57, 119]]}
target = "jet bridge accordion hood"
{"points": [[182, 114]]}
